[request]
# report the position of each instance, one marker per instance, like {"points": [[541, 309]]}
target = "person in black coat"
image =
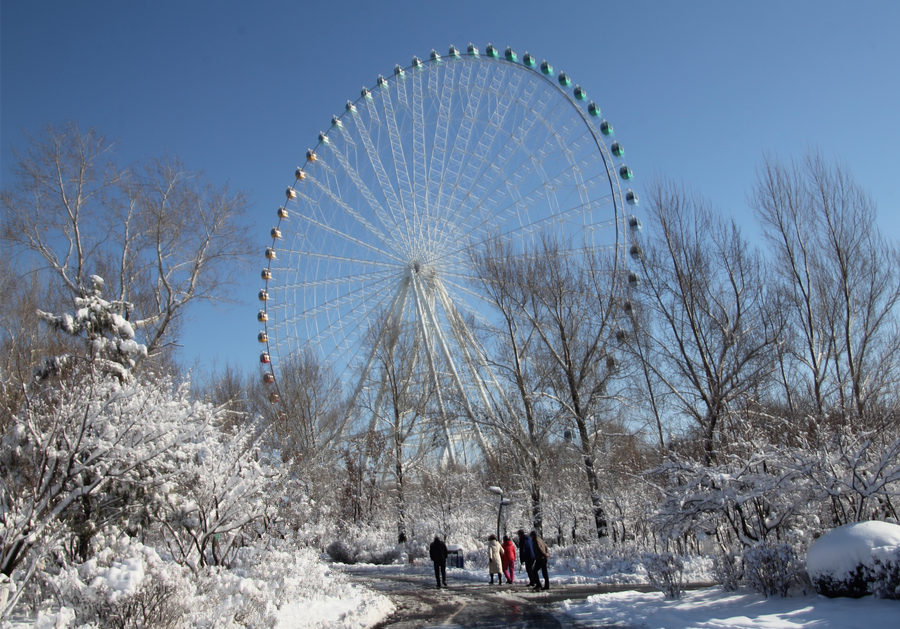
{"points": [[541, 555], [438, 553]]}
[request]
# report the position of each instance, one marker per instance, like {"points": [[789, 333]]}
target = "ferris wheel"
{"points": [[412, 179]]}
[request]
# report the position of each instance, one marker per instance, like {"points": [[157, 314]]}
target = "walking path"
{"points": [[477, 604]]}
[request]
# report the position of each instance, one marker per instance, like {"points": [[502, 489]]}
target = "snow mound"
{"points": [[839, 562]]}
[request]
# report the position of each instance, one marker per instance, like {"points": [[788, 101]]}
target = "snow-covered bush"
{"points": [[770, 569], [284, 586], [841, 562], [363, 549], [748, 498], [79, 440], [218, 490], [125, 584], [665, 572], [728, 571], [886, 572]]}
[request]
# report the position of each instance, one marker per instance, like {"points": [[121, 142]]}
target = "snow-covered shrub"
{"points": [[278, 587], [728, 571], [340, 552], [125, 584], [770, 569], [750, 498], [665, 572], [886, 572], [841, 562], [363, 551], [80, 440], [218, 490]]}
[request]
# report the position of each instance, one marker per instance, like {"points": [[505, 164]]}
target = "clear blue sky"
{"points": [[698, 91]]}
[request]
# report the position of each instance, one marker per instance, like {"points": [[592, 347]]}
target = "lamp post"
{"points": [[503, 502]]}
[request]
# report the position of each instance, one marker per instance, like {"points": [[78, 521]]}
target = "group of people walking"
{"points": [[532, 553]]}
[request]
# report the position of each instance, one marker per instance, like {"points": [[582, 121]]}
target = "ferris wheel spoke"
{"points": [[396, 306], [441, 134], [401, 166], [519, 205], [350, 239], [420, 178], [515, 135], [516, 141], [470, 99], [533, 197], [562, 216], [330, 257], [387, 189], [477, 301], [477, 357], [354, 296], [328, 193], [340, 280], [484, 144], [377, 208]]}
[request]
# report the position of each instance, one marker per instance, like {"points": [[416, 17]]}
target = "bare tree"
{"points": [[522, 428], [572, 305], [307, 423], [841, 286], [712, 336], [160, 235], [401, 406]]}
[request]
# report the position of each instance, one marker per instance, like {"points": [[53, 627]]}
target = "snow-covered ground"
{"points": [[712, 607]]}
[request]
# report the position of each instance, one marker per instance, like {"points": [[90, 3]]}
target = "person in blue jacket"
{"points": [[526, 556]]}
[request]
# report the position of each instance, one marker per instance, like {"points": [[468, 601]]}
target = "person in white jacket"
{"points": [[495, 559]]}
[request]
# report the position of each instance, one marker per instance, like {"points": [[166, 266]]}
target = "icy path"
{"points": [[469, 603]]}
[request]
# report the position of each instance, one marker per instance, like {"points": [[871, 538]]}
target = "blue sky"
{"points": [[697, 91]]}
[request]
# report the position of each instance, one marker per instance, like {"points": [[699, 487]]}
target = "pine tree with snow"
{"points": [[104, 329]]}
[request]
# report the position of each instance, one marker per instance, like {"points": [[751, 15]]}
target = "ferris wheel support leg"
{"points": [[455, 374], [468, 339], [426, 337]]}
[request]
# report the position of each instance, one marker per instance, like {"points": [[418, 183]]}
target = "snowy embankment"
{"points": [[285, 588], [713, 607]]}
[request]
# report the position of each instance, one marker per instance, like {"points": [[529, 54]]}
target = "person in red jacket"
{"points": [[509, 559]]}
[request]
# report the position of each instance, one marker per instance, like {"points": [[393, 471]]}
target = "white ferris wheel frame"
{"points": [[362, 175]]}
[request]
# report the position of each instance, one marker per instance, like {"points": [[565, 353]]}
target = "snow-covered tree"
{"points": [[105, 331], [161, 235], [77, 440], [215, 496]]}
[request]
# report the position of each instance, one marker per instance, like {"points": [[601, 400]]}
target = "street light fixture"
{"points": [[503, 502]]}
